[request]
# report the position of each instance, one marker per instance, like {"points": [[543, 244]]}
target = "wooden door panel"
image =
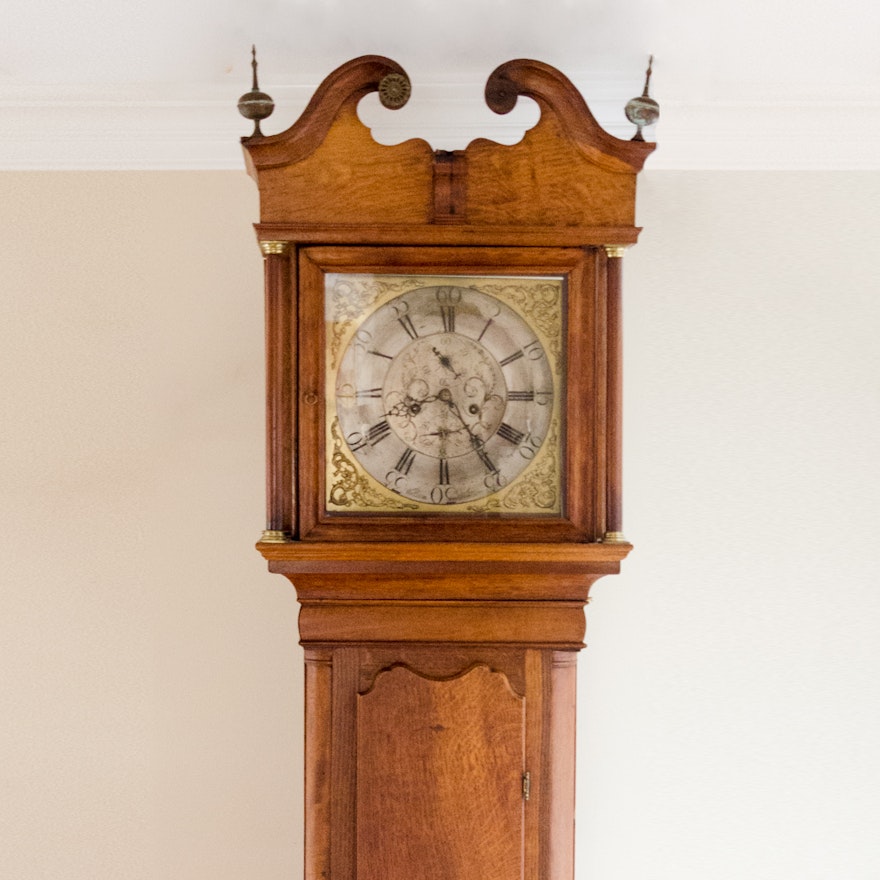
{"points": [[439, 777]]}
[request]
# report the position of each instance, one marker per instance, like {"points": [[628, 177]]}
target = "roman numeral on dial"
{"points": [[405, 462], [444, 472], [378, 432], [511, 358], [487, 462], [511, 435], [408, 326], [542, 398]]}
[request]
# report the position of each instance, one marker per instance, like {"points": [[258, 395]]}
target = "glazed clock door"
{"points": [[440, 768], [446, 391]]}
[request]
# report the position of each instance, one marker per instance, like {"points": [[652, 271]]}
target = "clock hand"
{"points": [[446, 396], [445, 432], [411, 406], [445, 362]]}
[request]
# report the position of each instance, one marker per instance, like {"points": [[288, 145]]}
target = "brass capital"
{"points": [[274, 247], [274, 536], [614, 538], [615, 251]]}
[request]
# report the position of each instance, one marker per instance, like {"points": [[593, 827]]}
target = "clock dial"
{"points": [[445, 395]]}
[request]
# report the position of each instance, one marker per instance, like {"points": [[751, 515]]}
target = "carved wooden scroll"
{"points": [[584, 177]]}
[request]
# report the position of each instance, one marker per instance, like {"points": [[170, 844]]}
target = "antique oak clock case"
{"points": [[444, 466]]}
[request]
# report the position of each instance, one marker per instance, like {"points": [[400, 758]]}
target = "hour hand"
{"points": [[410, 406]]}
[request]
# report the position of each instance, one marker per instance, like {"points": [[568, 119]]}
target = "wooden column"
{"points": [[614, 442], [280, 350], [318, 761], [560, 760]]}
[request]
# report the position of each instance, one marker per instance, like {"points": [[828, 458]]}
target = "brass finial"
{"points": [[394, 90], [255, 104], [643, 110]]}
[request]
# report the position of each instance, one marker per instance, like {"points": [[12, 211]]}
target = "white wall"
{"points": [[730, 694], [151, 687]]}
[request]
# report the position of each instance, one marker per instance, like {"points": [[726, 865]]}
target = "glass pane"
{"points": [[444, 394]]}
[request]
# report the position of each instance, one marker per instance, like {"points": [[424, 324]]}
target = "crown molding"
{"points": [[63, 127]]}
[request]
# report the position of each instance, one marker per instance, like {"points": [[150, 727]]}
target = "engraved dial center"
{"points": [[445, 395]]}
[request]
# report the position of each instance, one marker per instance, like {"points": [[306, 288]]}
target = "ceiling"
{"points": [[748, 84]]}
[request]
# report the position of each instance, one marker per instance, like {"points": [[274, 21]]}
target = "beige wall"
{"points": [[151, 674], [151, 685]]}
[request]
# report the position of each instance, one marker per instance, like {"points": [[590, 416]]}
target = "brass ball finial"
{"points": [[255, 105], [643, 110]]}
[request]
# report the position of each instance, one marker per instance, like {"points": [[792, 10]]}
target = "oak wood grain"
{"points": [[439, 777], [559, 624], [280, 404], [319, 786], [452, 235], [566, 171], [614, 361], [398, 556], [440, 653], [557, 829], [442, 662]]}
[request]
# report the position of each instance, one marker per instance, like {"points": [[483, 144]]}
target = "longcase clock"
{"points": [[444, 465]]}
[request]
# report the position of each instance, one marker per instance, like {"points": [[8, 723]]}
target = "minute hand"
{"points": [[453, 406]]}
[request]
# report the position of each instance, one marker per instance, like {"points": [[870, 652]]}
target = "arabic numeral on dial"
{"points": [[443, 495], [495, 481], [363, 344], [530, 446], [356, 441], [346, 391], [533, 350], [448, 296], [362, 339]]}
